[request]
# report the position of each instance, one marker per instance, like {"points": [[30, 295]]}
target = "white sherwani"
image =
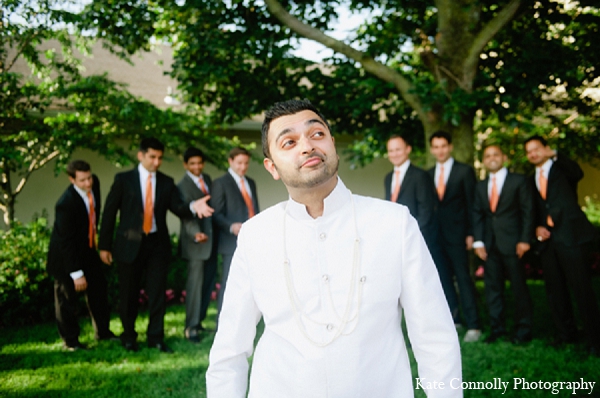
{"points": [[370, 358]]}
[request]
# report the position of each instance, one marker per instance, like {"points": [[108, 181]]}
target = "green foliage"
{"points": [[592, 209], [26, 290], [237, 57], [574, 135], [52, 111]]}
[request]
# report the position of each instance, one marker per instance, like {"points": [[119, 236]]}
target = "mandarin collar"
{"points": [[333, 202]]}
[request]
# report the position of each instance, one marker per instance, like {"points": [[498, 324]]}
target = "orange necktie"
{"points": [[543, 181], [396, 186], [203, 186], [92, 221], [441, 185], [247, 199], [148, 206], [494, 195]]}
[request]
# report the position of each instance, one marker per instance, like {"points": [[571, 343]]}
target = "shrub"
{"points": [[26, 289], [592, 210]]}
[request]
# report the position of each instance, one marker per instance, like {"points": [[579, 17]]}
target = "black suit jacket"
{"points": [[125, 197], [417, 192], [229, 205], [69, 249], [513, 220], [190, 249], [571, 226], [455, 210]]}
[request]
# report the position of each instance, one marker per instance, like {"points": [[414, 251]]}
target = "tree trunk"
{"points": [[8, 200], [460, 39], [9, 214]]}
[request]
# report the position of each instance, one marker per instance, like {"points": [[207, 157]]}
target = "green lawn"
{"points": [[33, 364]]}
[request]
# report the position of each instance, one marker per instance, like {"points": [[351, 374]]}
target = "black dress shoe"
{"points": [[495, 336], [162, 347], [191, 335], [77, 346], [131, 346]]}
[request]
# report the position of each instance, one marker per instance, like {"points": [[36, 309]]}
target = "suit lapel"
{"points": [[388, 182], [451, 180], [161, 179], [81, 207], [507, 187], [136, 183], [552, 175], [234, 186], [406, 180], [482, 191], [192, 185], [208, 182]]}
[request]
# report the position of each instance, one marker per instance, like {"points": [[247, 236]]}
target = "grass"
{"points": [[33, 364]]}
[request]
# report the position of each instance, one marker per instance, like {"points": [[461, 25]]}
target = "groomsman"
{"points": [[503, 228], [566, 237], [197, 239], [411, 186], [455, 184], [141, 197], [73, 260], [235, 200]]}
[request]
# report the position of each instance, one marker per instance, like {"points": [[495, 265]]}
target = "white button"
{"points": [[322, 236], [330, 327], [325, 278]]}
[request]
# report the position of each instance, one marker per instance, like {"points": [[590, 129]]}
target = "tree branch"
{"points": [[372, 66], [33, 167], [488, 32], [20, 51]]}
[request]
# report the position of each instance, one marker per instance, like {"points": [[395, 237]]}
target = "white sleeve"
{"points": [[227, 374], [430, 327]]}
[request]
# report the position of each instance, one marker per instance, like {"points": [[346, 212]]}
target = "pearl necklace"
{"points": [[346, 318]]}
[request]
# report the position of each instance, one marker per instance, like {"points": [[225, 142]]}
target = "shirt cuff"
{"points": [[76, 274], [192, 208], [478, 244]]}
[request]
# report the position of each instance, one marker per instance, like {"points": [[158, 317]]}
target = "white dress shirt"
{"points": [[402, 168], [500, 178], [369, 359], [238, 180], [447, 169], [143, 181], [197, 179], [546, 167]]}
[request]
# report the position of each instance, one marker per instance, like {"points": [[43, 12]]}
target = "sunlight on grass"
{"points": [[33, 363]]}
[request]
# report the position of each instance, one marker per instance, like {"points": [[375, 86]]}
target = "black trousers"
{"points": [[66, 302], [208, 284], [446, 278], [456, 259], [227, 257], [496, 266], [153, 262], [569, 267]]}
